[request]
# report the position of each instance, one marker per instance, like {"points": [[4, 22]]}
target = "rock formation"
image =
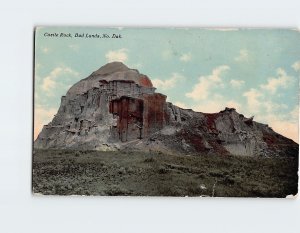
{"points": [[117, 108]]}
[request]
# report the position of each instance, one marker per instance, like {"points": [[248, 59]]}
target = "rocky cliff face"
{"points": [[117, 108]]}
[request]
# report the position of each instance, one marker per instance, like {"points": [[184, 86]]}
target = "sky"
{"points": [[255, 71]]}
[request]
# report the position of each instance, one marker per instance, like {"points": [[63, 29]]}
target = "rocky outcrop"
{"points": [[226, 132], [118, 108], [114, 104]]}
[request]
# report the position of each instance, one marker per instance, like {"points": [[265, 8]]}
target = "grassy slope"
{"points": [[131, 173]]}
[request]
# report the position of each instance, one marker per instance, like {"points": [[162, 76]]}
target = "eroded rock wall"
{"points": [[128, 113], [106, 112]]}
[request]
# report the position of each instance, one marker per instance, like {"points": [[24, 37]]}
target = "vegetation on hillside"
{"points": [[67, 172]]}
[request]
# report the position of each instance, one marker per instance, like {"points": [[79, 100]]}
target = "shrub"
{"points": [[149, 160], [162, 170], [77, 154]]}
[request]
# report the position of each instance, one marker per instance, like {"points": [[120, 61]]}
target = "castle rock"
{"points": [[117, 108]]}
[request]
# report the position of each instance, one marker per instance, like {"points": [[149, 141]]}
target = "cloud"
{"points": [[167, 54], [181, 105], [253, 100], [168, 83], [216, 104], [233, 104], [185, 57], [296, 66], [243, 56], [50, 82], [237, 83], [38, 65], [45, 49], [206, 83], [257, 102], [42, 116], [272, 107], [117, 55], [286, 128], [74, 47], [285, 124], [136, 65], [268, 111], [294, 114], [281, 81], [211, 106]]}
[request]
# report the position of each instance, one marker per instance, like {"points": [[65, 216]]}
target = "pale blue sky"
{"points": [[256, 71]]}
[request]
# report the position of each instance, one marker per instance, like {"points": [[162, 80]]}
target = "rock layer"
{"points": [[117, 108]]}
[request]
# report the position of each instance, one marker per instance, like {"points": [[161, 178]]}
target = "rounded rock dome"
{"points": [[113, 71]]}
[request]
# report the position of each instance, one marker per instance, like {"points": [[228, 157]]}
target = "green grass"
{"points": [[66, 172]]}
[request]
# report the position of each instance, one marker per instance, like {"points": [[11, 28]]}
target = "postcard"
{"points": [[205, 112]]}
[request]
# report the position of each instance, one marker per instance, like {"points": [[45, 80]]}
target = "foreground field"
{"points": [[63, 172]]}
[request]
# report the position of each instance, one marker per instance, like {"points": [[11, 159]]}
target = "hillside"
{"points": [[67, 172]]}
